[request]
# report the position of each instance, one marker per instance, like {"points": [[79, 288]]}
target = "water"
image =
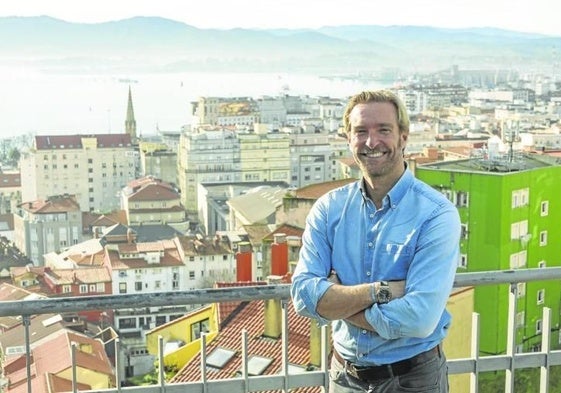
{"points": [[45, 103]]}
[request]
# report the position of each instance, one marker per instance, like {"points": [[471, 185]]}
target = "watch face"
{"points": [[384, 295]]}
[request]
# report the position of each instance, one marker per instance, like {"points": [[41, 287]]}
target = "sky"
{"points": [[535, 16]]}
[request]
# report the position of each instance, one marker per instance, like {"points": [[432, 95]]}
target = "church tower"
{"points": [[130, 122]]}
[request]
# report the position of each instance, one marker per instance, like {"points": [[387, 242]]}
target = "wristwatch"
{"points": [[381, 293]]}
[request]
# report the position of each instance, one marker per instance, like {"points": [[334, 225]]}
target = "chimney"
{"points": [[130, 237], [279, 255], [273, 312], [243, 262]]}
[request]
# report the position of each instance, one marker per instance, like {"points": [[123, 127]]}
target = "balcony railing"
{"points": [[285, 381]]}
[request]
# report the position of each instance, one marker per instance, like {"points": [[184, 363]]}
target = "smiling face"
{"points": [[376, 141]]}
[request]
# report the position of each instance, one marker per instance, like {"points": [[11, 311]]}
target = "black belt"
{"points": [[386, 371]]}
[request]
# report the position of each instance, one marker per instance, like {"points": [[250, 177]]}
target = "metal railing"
{"points": [[285, 381]]}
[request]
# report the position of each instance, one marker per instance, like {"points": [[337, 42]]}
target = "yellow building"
{"points": [[181, 337], [265, 157], [458, 342]]}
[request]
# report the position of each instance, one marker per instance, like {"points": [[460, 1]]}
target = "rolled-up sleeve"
{"points": [[309, 281], [429, 281]]}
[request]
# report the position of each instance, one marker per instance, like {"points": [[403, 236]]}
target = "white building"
{"points": [[94, 168]]}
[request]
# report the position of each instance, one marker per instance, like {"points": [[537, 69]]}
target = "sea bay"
{"points": [[36, 102]]}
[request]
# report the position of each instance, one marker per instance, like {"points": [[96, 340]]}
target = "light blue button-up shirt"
{"points": [[414, 236]]}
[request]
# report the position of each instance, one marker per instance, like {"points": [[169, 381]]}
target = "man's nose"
{"points": [[372, 140]]}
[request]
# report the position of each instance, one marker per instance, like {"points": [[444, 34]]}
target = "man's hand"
{"points": [[397, 288]]}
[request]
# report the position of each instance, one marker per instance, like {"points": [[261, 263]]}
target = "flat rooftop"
{"points": [[500, 163]]}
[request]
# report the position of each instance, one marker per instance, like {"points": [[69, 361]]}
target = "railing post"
{"points": [[511, 337], [203, 362], [26, 322], [117, 364], [325, 357], [284, 343], [474, 376], [546, 343], [74, 376], [161, 363], [245, 375]]}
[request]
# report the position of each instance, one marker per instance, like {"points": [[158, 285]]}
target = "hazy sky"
{"points": [[538, 16]]}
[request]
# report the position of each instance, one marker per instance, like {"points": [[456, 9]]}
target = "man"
{"points": [[378, 258]]}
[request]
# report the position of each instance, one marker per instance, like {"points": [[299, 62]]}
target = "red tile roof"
{"points": [[288, 230], [172, 255], [78, 276], [55, 204], [10, 180], [154, 192], [314, 191], [59, 142], [249, 316]]}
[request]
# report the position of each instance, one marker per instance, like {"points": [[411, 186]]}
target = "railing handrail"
{"points": [[245, 293]]}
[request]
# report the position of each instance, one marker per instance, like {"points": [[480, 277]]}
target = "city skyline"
{"points": [[516, 15]]}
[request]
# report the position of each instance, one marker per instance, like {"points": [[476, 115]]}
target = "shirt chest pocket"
{"points": [[398, 252]]}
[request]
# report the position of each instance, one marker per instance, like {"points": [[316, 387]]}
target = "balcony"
{"points": [[509, 363]]}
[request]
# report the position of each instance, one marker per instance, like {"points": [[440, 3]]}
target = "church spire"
{"points": [[130, 122]]}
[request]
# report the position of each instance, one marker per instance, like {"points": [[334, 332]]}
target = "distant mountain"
{"points": [[157, 44]]}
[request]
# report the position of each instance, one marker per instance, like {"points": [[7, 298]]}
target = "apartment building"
{"points": [[206, 156], [44, 226], [10, 191], [419, 98], [510, 213], [149, 201], [92, 167], [264, 157]]}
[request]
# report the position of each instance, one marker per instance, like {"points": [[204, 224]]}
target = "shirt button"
{"points": [[369, 244], [367, 273], [363, 331], [371, 215]]}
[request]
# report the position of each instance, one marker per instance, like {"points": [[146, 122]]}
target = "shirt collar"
{"points": [[397, 192]]}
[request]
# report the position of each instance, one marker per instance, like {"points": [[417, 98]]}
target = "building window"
{"points": [[463, 263], [462, 199], [83, 288], [518, 229], [122, 287], [518, 259], [191, 275], [541, 264], [449, 194], [464, 231], [66, 288], [127, 323], [541, 296], [138, 286], [521, 289], [538, 326], [544, 210], [100, 287], [520, 197], [199, 327], [93, 288], [543, 238]]}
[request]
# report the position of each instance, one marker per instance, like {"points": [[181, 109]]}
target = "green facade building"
{"points": [[510, 208]]}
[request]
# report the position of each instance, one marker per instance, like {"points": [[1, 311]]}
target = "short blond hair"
{"points": [[377, 96]]}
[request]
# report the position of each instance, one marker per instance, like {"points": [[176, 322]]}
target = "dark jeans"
{"points": [[428, 377]]}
